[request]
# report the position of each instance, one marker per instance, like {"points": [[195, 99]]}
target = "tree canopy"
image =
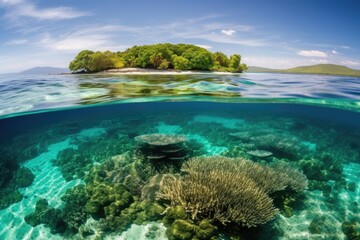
{"points": [[158, 56]]}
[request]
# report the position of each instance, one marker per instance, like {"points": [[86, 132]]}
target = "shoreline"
{"points": [[149, 71]]}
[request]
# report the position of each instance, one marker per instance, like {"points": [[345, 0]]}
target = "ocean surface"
{"points": [[248, 156]]}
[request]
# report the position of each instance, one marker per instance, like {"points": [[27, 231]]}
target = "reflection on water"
{"points": [[40, 92]]}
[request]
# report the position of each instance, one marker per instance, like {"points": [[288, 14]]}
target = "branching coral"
{"points": [[228, 190]]}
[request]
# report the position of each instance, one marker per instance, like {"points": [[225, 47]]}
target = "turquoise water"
{"points": [[219, 157], [20, 93]]}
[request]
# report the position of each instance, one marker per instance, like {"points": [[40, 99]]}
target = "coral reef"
{"points": [[23, 177], [186, 230], [322, 167], [229, 190], [163, 151], [281, 145], [74, 163], [74, 210], [8, 166], [324, 225], [128, 168], [105, 198], [12, 177], [178, 227], [350, 229], [51, 217], [8, 197]]}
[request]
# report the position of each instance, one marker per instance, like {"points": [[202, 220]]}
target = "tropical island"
{"points": [[166, 56]]}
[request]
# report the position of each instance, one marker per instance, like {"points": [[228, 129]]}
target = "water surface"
{"points": [[21, 93]]}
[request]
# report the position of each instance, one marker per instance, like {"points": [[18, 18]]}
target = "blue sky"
{"points": [[276, 34]]}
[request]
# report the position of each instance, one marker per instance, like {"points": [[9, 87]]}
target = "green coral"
{"points": [[8, 166], [51, 217], [106, 199], [138, 213], [350, 230], [8, 197], [174, 213], [74, 211], [288, 202], [323, 225], [322, 167], [127, 168], [24, 177], [185, 230], [74, 163]]}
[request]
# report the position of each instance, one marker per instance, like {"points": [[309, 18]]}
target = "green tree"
{"points": [[181, 63], [164, 64], [156, 59], [82, 61], [102, 61], [234, 62], [220, 59]]}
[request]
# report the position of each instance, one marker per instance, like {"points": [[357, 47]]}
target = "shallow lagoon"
{"points": [[65, 148]]}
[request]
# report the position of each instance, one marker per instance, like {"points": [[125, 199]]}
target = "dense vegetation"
{"points": [[158, 56], [329, 69]]}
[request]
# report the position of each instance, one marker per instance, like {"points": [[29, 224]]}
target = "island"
{"points": [[324, 69], [165, 56]]}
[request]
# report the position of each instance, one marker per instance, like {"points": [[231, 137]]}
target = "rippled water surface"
{"points": [[38, 92]]}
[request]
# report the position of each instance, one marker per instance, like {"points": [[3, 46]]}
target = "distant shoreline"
{"points": [[147, 71]]}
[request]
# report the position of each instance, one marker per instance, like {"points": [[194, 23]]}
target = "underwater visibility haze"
{"points": [[245, 156]]}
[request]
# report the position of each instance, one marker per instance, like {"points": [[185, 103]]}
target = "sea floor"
{"points": [[323, 213]]}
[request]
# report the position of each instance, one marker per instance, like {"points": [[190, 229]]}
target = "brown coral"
{"points": [[228, 190]]}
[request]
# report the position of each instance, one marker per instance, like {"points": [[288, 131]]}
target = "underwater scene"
{"points": [[202, 157]]}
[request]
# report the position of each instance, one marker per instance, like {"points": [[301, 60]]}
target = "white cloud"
{"points": [[351, 63], [312, 53], [334, 52], [16, 9], [345, 47], [204, 46], [96, 38], [17, 42], [228, 32]]}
